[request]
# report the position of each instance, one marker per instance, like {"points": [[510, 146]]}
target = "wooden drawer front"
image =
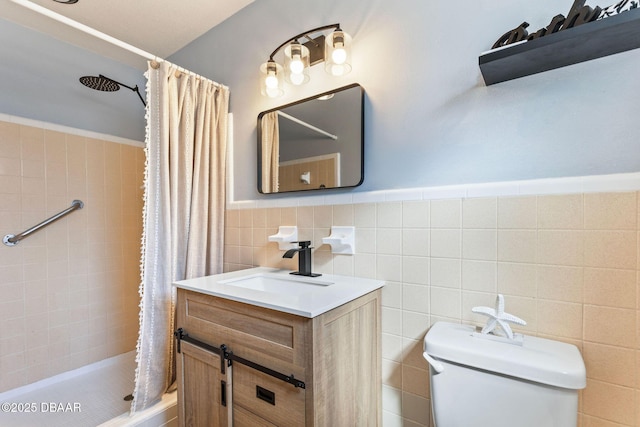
{"points": [[281, 404], [244, 323], [244, 418], [263, 336]]}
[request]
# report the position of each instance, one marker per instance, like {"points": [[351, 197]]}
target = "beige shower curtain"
{"points": [[183, 213], [270, 133]]}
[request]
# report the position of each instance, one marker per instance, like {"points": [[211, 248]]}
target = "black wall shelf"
{"points": [[607, 36]]}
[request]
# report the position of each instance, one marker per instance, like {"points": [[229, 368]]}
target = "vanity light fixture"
{"points": [[334, 50]]}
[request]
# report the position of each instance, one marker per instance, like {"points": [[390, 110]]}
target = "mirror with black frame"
{"points": [[313, 144]]}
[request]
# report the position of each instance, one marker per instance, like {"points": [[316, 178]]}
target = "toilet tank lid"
{"points": [[537, 359]]}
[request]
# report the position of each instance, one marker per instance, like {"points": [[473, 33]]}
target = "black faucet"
{"points": [[304, 259]]}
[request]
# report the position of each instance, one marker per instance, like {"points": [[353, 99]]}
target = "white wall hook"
{"points": [[305, 178], [342, 240], [286, 235]]}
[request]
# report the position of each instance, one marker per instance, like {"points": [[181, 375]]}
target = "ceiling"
{"points": [[159, 27]]}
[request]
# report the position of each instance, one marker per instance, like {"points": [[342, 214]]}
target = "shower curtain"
{"points": [[183, 218], [270, 133]]}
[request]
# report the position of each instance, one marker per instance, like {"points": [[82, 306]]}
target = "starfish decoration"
{"points": [[497, 316]]}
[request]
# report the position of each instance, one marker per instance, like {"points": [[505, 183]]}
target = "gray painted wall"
{"points": [[39, 80], [430, 118]]}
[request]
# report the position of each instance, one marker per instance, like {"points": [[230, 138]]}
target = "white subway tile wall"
{"points": [[568, 264], [69, 292]]}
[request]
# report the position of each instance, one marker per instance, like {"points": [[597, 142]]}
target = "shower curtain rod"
{"points": [[105, 37], [86, 29], [307, 125]]}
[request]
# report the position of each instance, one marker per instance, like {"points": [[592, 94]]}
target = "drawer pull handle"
{"points": [[223, 393], [266, 395]]}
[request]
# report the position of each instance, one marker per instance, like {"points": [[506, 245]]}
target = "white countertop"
{"points": [[312, 299]]}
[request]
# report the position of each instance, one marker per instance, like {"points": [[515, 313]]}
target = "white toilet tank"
{"points": [[486, 381]]}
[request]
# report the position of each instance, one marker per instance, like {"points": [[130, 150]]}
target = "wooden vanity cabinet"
{"points": [[336, 354]]}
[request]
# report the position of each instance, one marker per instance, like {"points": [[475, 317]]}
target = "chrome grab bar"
{"points": [[12, 240]]}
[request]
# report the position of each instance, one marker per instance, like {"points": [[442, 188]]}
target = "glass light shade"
{"points": [[337, 53], [296, 63], [271, 79]]}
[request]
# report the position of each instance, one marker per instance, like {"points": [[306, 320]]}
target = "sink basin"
{"points": [[276, 289], [279, 284]]}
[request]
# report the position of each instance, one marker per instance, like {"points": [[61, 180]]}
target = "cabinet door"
{"points": [[203, 391]]}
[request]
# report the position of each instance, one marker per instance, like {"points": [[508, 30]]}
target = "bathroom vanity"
{"points": [[261, 347]]}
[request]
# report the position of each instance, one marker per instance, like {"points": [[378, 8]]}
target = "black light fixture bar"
{"points": [[305, 34], [299, 56]]}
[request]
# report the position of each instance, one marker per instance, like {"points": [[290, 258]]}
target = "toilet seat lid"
{"points": [[537, 359]]}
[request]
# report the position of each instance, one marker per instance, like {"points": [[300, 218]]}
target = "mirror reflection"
{"points": [[313, 144]]}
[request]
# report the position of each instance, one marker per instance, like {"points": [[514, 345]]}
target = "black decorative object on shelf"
{"points": [[578, 15], [565, 41]]}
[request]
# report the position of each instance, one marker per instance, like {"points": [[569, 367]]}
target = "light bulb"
{"points": [[339, 55], [271, 81], [272, 92], [337, 70], [297, 78], [296, 65]]}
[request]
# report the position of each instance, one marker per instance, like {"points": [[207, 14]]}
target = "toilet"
{"points": [[485, 380]]}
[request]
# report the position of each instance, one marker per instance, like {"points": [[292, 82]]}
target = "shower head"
{"points": [[105, 84], [101, 83]]}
